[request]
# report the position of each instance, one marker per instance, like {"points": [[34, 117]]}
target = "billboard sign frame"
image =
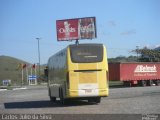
{"points": [[76, 29]]}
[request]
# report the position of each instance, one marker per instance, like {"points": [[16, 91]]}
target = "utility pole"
{"points": [[39, 70]]}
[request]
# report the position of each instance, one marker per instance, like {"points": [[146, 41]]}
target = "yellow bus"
{"points": [[79, 72]]}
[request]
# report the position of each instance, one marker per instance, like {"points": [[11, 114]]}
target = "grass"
{"points": [[9, 70], [115, 84], [7, 87]]}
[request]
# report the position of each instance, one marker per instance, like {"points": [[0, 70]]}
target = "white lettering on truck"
{"points": [[145, 68]]}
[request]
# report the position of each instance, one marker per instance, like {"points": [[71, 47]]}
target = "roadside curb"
{"points": [[24, 88], [3, 89]]}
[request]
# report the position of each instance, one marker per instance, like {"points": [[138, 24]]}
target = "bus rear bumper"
{"points": [[87, 93]]}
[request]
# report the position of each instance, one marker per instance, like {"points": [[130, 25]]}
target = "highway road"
{"points": [[134, 100]]}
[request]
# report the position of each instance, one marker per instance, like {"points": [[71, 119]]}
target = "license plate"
{"points": [[88, 91]]}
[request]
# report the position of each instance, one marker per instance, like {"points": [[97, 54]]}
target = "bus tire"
{"points": [[52, 99], [62, 100], [94, 100], [97, 100]]}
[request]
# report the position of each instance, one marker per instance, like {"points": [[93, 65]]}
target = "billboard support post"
{"points": [[77, 42]]}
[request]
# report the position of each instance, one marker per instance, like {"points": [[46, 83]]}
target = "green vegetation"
{"points": [[9, 66], [148, 55], [10, 70], [123, 59], [115, 84], [143, 55]]}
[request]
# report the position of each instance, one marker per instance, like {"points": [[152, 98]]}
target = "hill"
{"points": [[9, 69]]}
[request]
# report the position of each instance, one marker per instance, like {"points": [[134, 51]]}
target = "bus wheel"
{"points": [[97, 100], [53, 99], [94, 100], [62, 101], [143, 83]]}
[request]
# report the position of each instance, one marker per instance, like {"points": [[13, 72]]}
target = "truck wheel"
{"points": [[157, 82], [130, 84], [143, 83], [127, 83], [149, 82]]}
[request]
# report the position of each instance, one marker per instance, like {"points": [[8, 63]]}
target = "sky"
{"points": [[121, 25]]}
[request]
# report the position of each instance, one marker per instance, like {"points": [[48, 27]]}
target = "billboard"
{"points": [[76, 29]]}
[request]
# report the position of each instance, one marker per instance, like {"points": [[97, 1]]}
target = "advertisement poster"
{"points": [[76, 29]]}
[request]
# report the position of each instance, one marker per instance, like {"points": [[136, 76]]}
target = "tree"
{"points": [[148, 55]]}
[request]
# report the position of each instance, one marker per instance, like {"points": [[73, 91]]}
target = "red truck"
{"points": [[138, 73]]}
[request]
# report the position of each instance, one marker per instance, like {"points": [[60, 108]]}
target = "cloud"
{"points": [[112, 23], [158, 45], [129, 32]]}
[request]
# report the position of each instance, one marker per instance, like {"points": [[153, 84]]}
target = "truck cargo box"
{"points": [[134, 72]]}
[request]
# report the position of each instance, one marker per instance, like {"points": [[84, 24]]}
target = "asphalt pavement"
{"points": [[121, 101]]}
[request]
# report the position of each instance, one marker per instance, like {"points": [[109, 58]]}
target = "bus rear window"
{"points": [[86, 53]]}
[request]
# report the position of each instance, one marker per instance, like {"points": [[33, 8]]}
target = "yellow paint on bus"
{"points": [[79, 72]]}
